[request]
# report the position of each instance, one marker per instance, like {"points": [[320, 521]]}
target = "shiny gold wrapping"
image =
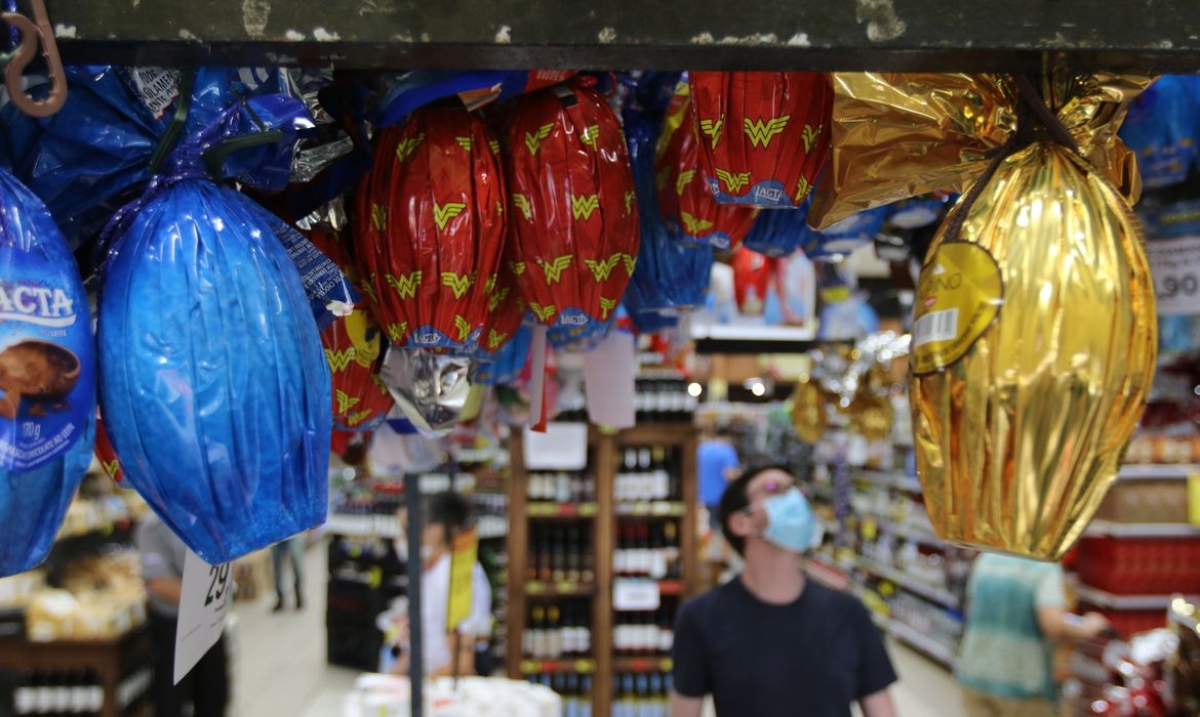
{"points": [[898, 135], [808, 411], [871, 416], [1022, 415]]}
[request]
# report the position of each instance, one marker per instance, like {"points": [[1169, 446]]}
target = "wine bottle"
{"points": [[538, 633], [558, 556], [553, 633]]}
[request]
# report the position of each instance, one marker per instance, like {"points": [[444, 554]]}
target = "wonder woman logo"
{"points": [[584, 206], [345, 401], [733, 182], [694, 225], [603, 269], [458, 283], [405, 284], [684, 179], [520, 201], [407, 146], [543, 313], [446, 212], [533, 140], [553, 270], [810, 136], [339, 360], [713, 129], [761, 133]]}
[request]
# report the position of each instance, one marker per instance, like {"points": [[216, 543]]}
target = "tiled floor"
{"points": [[280, 668]]}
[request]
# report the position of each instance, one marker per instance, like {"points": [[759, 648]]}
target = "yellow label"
{"points": [[958, 297], [1193, 488], [464, 552], [870, 531]]}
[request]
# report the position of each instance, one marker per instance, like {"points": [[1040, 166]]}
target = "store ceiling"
{"points": [[908, 35]]}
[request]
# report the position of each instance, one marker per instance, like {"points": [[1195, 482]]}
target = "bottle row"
{"points": [[646, 474], [58, 693], [561, 554], [562, 487], [641, 694], [648, 548], [663, 400], [575, 690], [555, 632], [645, 633]]}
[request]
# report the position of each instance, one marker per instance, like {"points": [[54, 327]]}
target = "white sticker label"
{"points": [[157, 86], [935, 326], [203, 607], [635, 595], [563, 446], [1175, 264]]}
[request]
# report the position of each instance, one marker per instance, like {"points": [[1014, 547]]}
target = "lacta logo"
{"points": [[573, 320], [773, 195], [36, 305], [426, 339]]}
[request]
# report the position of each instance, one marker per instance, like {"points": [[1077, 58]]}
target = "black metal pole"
{"points": [[416, 666]]}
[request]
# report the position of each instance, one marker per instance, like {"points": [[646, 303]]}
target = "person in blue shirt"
{"points": [[716, 465]]}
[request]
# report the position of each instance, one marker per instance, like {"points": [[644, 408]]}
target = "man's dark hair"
{"points": [[449, 510], [734, 500]]}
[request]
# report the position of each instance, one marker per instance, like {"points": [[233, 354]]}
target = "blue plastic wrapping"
{"points": [[842, 238], [215, 389], [47, 376], [1162, 128], [94, 155], [671, 274], [779, 232]]}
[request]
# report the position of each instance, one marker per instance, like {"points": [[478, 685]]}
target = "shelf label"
{"points": [[1175, 265], [609, 371], [1193, 489], [588, 510], [585, 667], [535, 587], [635, 595], [203, 607], [562, 447]]}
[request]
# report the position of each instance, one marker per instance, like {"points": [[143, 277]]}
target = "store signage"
{"points": [[463, 555], [203, 607], [562, 447], [1175, 264], [609, 373], [635, 595]]}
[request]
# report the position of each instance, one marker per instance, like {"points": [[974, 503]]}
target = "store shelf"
{"points": [[914, 585], [654, 434], [1099, 598], [898, 481], [826, 574], [654, 508], [564, 588], [561, 510], [911, 532], [1157, 471], [660, 663], [581, 666], [923, 643], [1104, 528], [387, 527]]}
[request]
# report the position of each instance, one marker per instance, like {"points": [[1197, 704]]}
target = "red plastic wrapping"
{"points": [[764, 135], [107, 456], [751, 280], [686, 202], [430, 229], [573, 210]]}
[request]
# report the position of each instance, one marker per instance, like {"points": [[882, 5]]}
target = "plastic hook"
{"points": [[32, 33]]}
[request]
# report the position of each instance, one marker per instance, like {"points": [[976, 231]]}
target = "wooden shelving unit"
{"points": [[603, 517]]}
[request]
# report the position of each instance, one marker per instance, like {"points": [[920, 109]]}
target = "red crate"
{"points": [[1140, 566]]}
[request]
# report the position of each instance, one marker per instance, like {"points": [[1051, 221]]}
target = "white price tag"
{"points": [[1175, 264], [609, 371], [562, 447], [635, 595], [203, 607]]}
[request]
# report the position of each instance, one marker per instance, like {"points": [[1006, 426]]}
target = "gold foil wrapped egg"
{"points": [[1033, 350], [808, 411]]}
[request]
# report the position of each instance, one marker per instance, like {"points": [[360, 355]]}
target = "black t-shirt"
{"points": [[811, 658]]}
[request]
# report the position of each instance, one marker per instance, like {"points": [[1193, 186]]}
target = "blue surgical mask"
{"points": [[791, 524]]}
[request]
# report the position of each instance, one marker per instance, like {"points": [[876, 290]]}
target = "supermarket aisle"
{"points": [[280, 670]]}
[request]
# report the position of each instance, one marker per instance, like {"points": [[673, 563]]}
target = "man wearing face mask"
{"points": [[769, 643]]}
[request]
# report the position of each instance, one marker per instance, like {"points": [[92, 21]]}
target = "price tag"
{"points": [[535, 588], [203, 607], [1175, 264], [1193, 489], [635, 595], [588, 510], [562, 447], [609, 371]]}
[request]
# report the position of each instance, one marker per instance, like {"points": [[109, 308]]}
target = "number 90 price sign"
{"points": [[1175, 264], [203, 607]]}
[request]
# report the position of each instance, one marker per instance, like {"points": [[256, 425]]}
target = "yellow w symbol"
{"points": [[112, 468], [378, 217], [713, 129], [630, 198], [810, 136], [345, 401], [533, 140], [553, 270], [684, 179], [733, 182], [494, 145], [495, 338], [407, 146], [761, 133], [490, 285], [584, 206], [463, 326], [630, 263], [607, 305], [356, 418], [446, 212], [516, 267], [339, 360], [396, 332], [590, 134], [694, 225], [368, 286], [464, 142], [405, 285], [802, 189], [603, 269], [520, 201], [495, 299], [543, 313], [458, 283]]}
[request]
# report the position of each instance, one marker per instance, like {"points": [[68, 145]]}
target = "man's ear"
{"points": [[741, 525]]}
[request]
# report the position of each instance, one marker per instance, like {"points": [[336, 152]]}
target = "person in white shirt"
{"points": [[445, 514]]}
